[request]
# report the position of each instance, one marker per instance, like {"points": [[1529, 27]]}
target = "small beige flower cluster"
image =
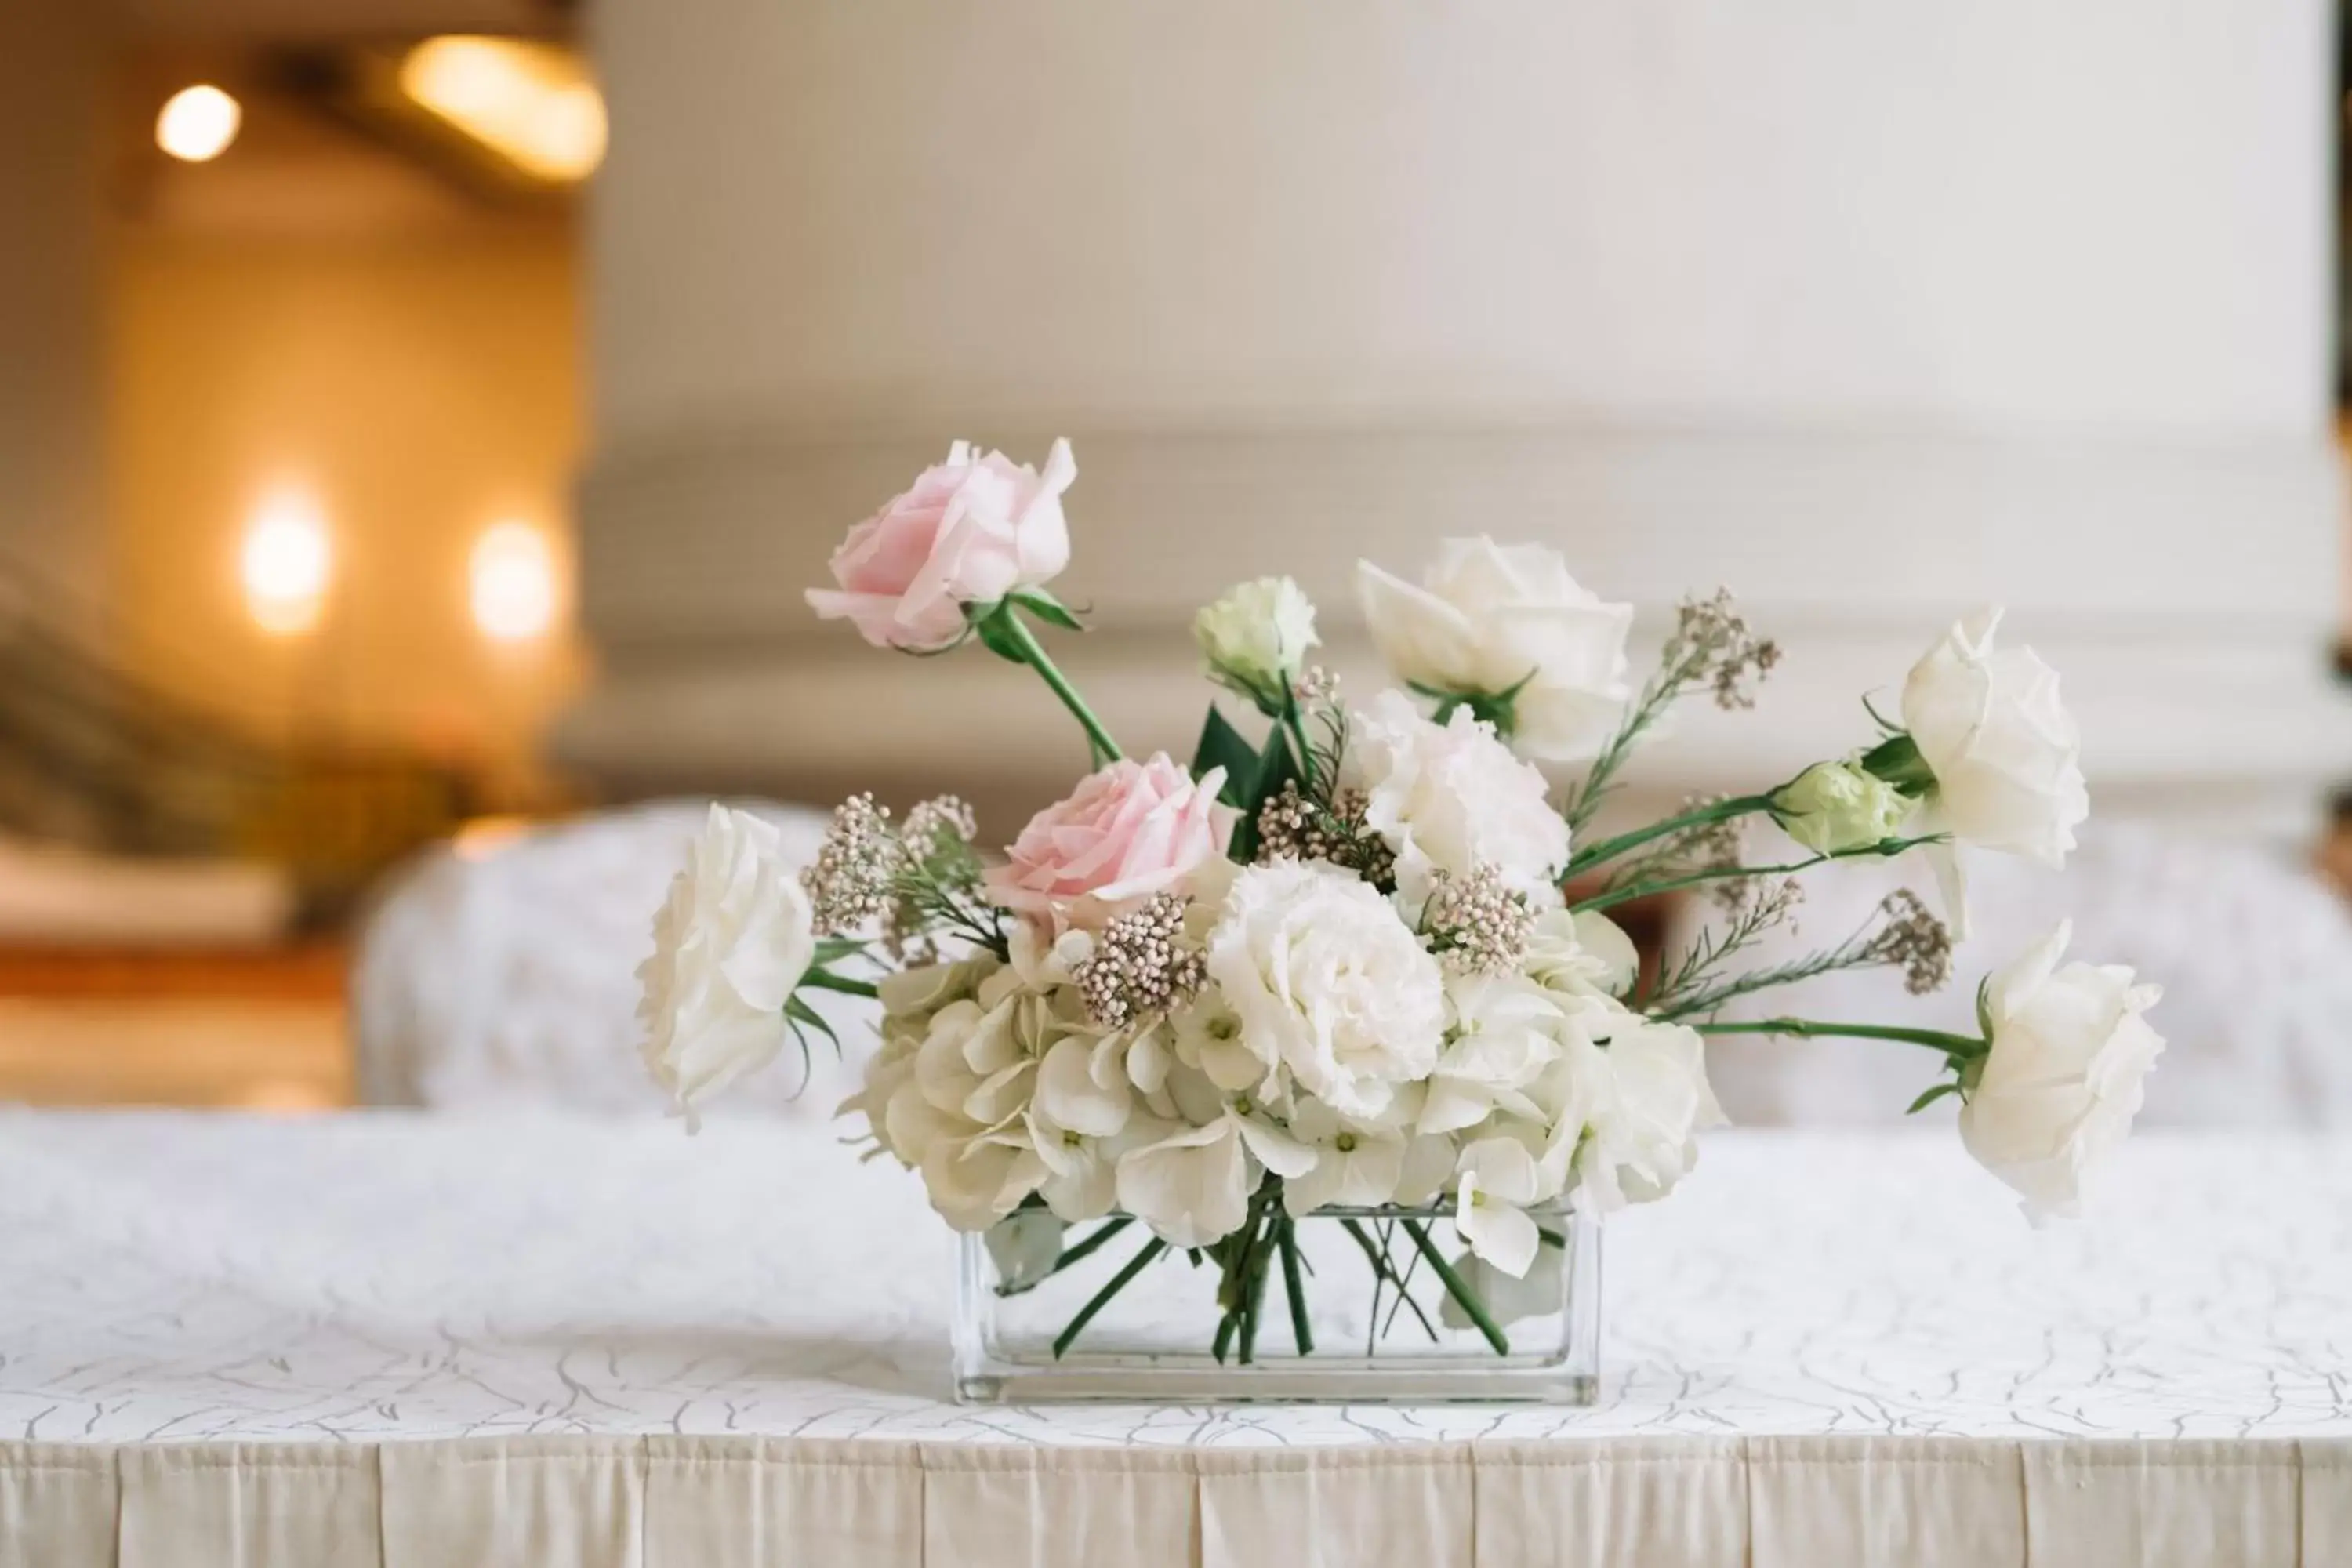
{"points": [[1477, 925], [1141, 966], [1712, 642], [1294, 826]]}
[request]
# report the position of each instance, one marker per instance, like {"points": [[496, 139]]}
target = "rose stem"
{"points": [[1083, 1250], [1610, 849], [1886, 849], [1456, 1288], [1118, 1281], [1300, 1334], [1961, 1045], [1106, 750]]}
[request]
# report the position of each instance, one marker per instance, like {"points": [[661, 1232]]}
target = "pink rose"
{"points": [[1131, 830], [968, 531]]}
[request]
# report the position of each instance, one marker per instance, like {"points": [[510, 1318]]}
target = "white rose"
{"points": [[2004, 751], [2065, 1077], [1256, 637], [731, 943], [1487, 618], [1452, 797], [1327, 982]]}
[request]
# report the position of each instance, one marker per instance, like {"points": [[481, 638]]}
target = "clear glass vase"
{"points": [[1343, 1305]]}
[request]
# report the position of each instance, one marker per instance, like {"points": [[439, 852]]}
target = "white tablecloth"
{"points": [[393, 1340]]}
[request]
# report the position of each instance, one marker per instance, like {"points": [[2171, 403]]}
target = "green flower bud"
{"points": [[1255, 638], [1835, 806]]}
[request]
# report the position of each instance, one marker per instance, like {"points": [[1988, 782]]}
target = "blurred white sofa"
{"points": [[504, 972], [2255, 955]]}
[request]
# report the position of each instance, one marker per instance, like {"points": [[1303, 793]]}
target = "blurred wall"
{"points": [[1874, 312], [50, 494], [420, 390]]}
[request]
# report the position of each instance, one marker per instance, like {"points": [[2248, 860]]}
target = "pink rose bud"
{"points": [[1131, 830], [968, 531]]}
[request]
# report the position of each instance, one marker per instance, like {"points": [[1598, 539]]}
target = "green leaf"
{"points": [[1933, 1095], [1270, 770], [801, 1013], [1896, 760], [1223, 746], [832, 949], [1984, 1006], [993, 624], [1047, 609]]}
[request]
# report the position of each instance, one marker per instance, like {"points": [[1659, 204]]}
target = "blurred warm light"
{"points": [[531, 103], [197, 122], [287, 1097], [286, 562], [513, 583], [483, 836]]}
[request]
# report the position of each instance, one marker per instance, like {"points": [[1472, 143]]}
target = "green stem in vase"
{"points": [[1383, 1270], [1118, 1281], [1301, 1334], [1961, 1045], [1455, 1286]]}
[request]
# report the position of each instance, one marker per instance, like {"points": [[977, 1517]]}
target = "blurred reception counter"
{"points": [[405, 1341]]}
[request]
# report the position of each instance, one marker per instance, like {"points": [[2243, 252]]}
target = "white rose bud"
{"points": [[1507, 623], [1835, 806], [1255, 638], [729, 945], [2004, 751], [2070, 1054]]}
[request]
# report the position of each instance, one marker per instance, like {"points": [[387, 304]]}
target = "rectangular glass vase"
{"points": [[1100, 1312]]}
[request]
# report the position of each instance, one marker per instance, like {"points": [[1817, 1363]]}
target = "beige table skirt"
{"points": [[717, 1502]]}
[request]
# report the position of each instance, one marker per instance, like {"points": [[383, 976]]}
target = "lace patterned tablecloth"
{"points": [[174, 1287]]}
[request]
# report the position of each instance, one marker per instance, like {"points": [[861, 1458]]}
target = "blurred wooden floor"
{"points": [[255, 1031]]}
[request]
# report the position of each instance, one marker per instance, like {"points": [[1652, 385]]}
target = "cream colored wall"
{"points": [[423, 390]]}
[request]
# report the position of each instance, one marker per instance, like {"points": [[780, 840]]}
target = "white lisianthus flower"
{"points": [[1585, 954], [2004, 752], [1489, 620], [1498, 1181], [1835, 806], [731, 940], [1452, 797], [1329, 983], [2071, 1051], [1255, 639]]}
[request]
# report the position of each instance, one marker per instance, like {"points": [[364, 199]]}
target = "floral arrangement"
{"points": [[1365, 959]]}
